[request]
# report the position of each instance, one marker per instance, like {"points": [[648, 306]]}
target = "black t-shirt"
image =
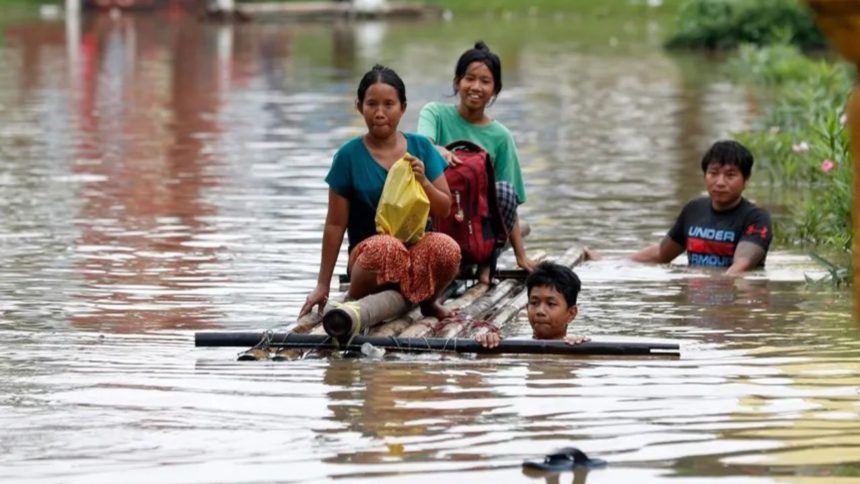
{"points": [[710, 237]]}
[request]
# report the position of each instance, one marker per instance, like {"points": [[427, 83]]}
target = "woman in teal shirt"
{"points": [[477, 82], [420, 271]]}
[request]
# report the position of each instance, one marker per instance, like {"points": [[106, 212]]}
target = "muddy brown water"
{"points": [[160, 176]]}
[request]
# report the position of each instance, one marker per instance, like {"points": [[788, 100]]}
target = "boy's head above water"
{"points": [[728, 153], [552, 291], [727, 166]]}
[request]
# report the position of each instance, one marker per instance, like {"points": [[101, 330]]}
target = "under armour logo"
{"points": [[762, 232]]}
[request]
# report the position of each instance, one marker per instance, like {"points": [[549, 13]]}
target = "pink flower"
{"points": [[827, 165], [843, 119], [801, 147]]}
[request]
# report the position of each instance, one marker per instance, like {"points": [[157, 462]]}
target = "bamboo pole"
{"points": [[840, 22], [307, 324], [471, 307], [289, 354], [351, 317], [475, 311], [317, 342], [424, 326], [396, 325]]}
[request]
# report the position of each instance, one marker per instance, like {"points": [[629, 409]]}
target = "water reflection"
{"points": [[413, 409], [147, 143]]}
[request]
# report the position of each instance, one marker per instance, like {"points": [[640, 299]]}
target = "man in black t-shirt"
{"points": [[722, 229], [713, 238]]}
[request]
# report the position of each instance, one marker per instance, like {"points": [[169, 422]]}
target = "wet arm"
{"points": [[335, 226], [661, 253], [747, 257], [519, 248]]}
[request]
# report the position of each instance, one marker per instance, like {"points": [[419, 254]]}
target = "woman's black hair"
{"points": [[480, 53], [385, 75]]}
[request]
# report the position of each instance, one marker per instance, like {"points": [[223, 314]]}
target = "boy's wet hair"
{"points": [[728, 152], [559, 277], [379, 73], [480, 53]]}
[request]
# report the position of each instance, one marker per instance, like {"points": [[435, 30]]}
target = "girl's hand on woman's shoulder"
{"points": [[448, 156]]}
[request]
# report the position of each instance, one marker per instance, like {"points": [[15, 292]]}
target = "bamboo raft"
{"points": [[387, 320]]}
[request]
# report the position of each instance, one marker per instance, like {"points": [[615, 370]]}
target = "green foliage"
{"points": [[801, 141], [837, 275], [726, 24]]}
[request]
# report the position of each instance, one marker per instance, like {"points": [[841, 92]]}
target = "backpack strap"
{"points": [[495, 212], [463, 144]]}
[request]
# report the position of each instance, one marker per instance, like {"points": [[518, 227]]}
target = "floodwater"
{"points": [[160, 176]]}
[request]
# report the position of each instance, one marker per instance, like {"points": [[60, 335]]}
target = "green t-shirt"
{"points": [[443, 124], [356, 176]]}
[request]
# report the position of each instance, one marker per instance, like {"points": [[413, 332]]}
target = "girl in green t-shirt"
{"points": [[477, 82]]}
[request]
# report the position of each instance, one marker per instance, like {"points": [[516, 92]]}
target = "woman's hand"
{"points": [[488, 340], [417, 169], [319, 296]]}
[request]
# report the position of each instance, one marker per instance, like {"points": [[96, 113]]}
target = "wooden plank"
{"points": [[424, 326]]}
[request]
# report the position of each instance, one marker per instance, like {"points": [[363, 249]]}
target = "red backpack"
{"points": [[475, 221]]}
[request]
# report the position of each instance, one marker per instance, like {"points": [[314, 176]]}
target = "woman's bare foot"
{"points": [[435, 310]]}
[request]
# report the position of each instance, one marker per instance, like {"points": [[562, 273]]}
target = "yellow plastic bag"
{"points": [[403, 207]]}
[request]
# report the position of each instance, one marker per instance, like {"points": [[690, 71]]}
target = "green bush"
{"points": [[801, 140], [726, 24]]}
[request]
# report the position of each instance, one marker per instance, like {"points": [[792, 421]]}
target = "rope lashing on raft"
{"points": [[263, 345], [441, 325]]}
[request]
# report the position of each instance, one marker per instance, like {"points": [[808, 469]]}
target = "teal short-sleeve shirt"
{"points": [[356, 176]]}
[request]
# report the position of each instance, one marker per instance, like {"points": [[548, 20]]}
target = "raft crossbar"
{"points": [[458, 345]]}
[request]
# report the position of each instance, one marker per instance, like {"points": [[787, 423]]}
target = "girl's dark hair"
{"points": [[728, 152], [385, 75], [480, 53], [559, 277]]}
